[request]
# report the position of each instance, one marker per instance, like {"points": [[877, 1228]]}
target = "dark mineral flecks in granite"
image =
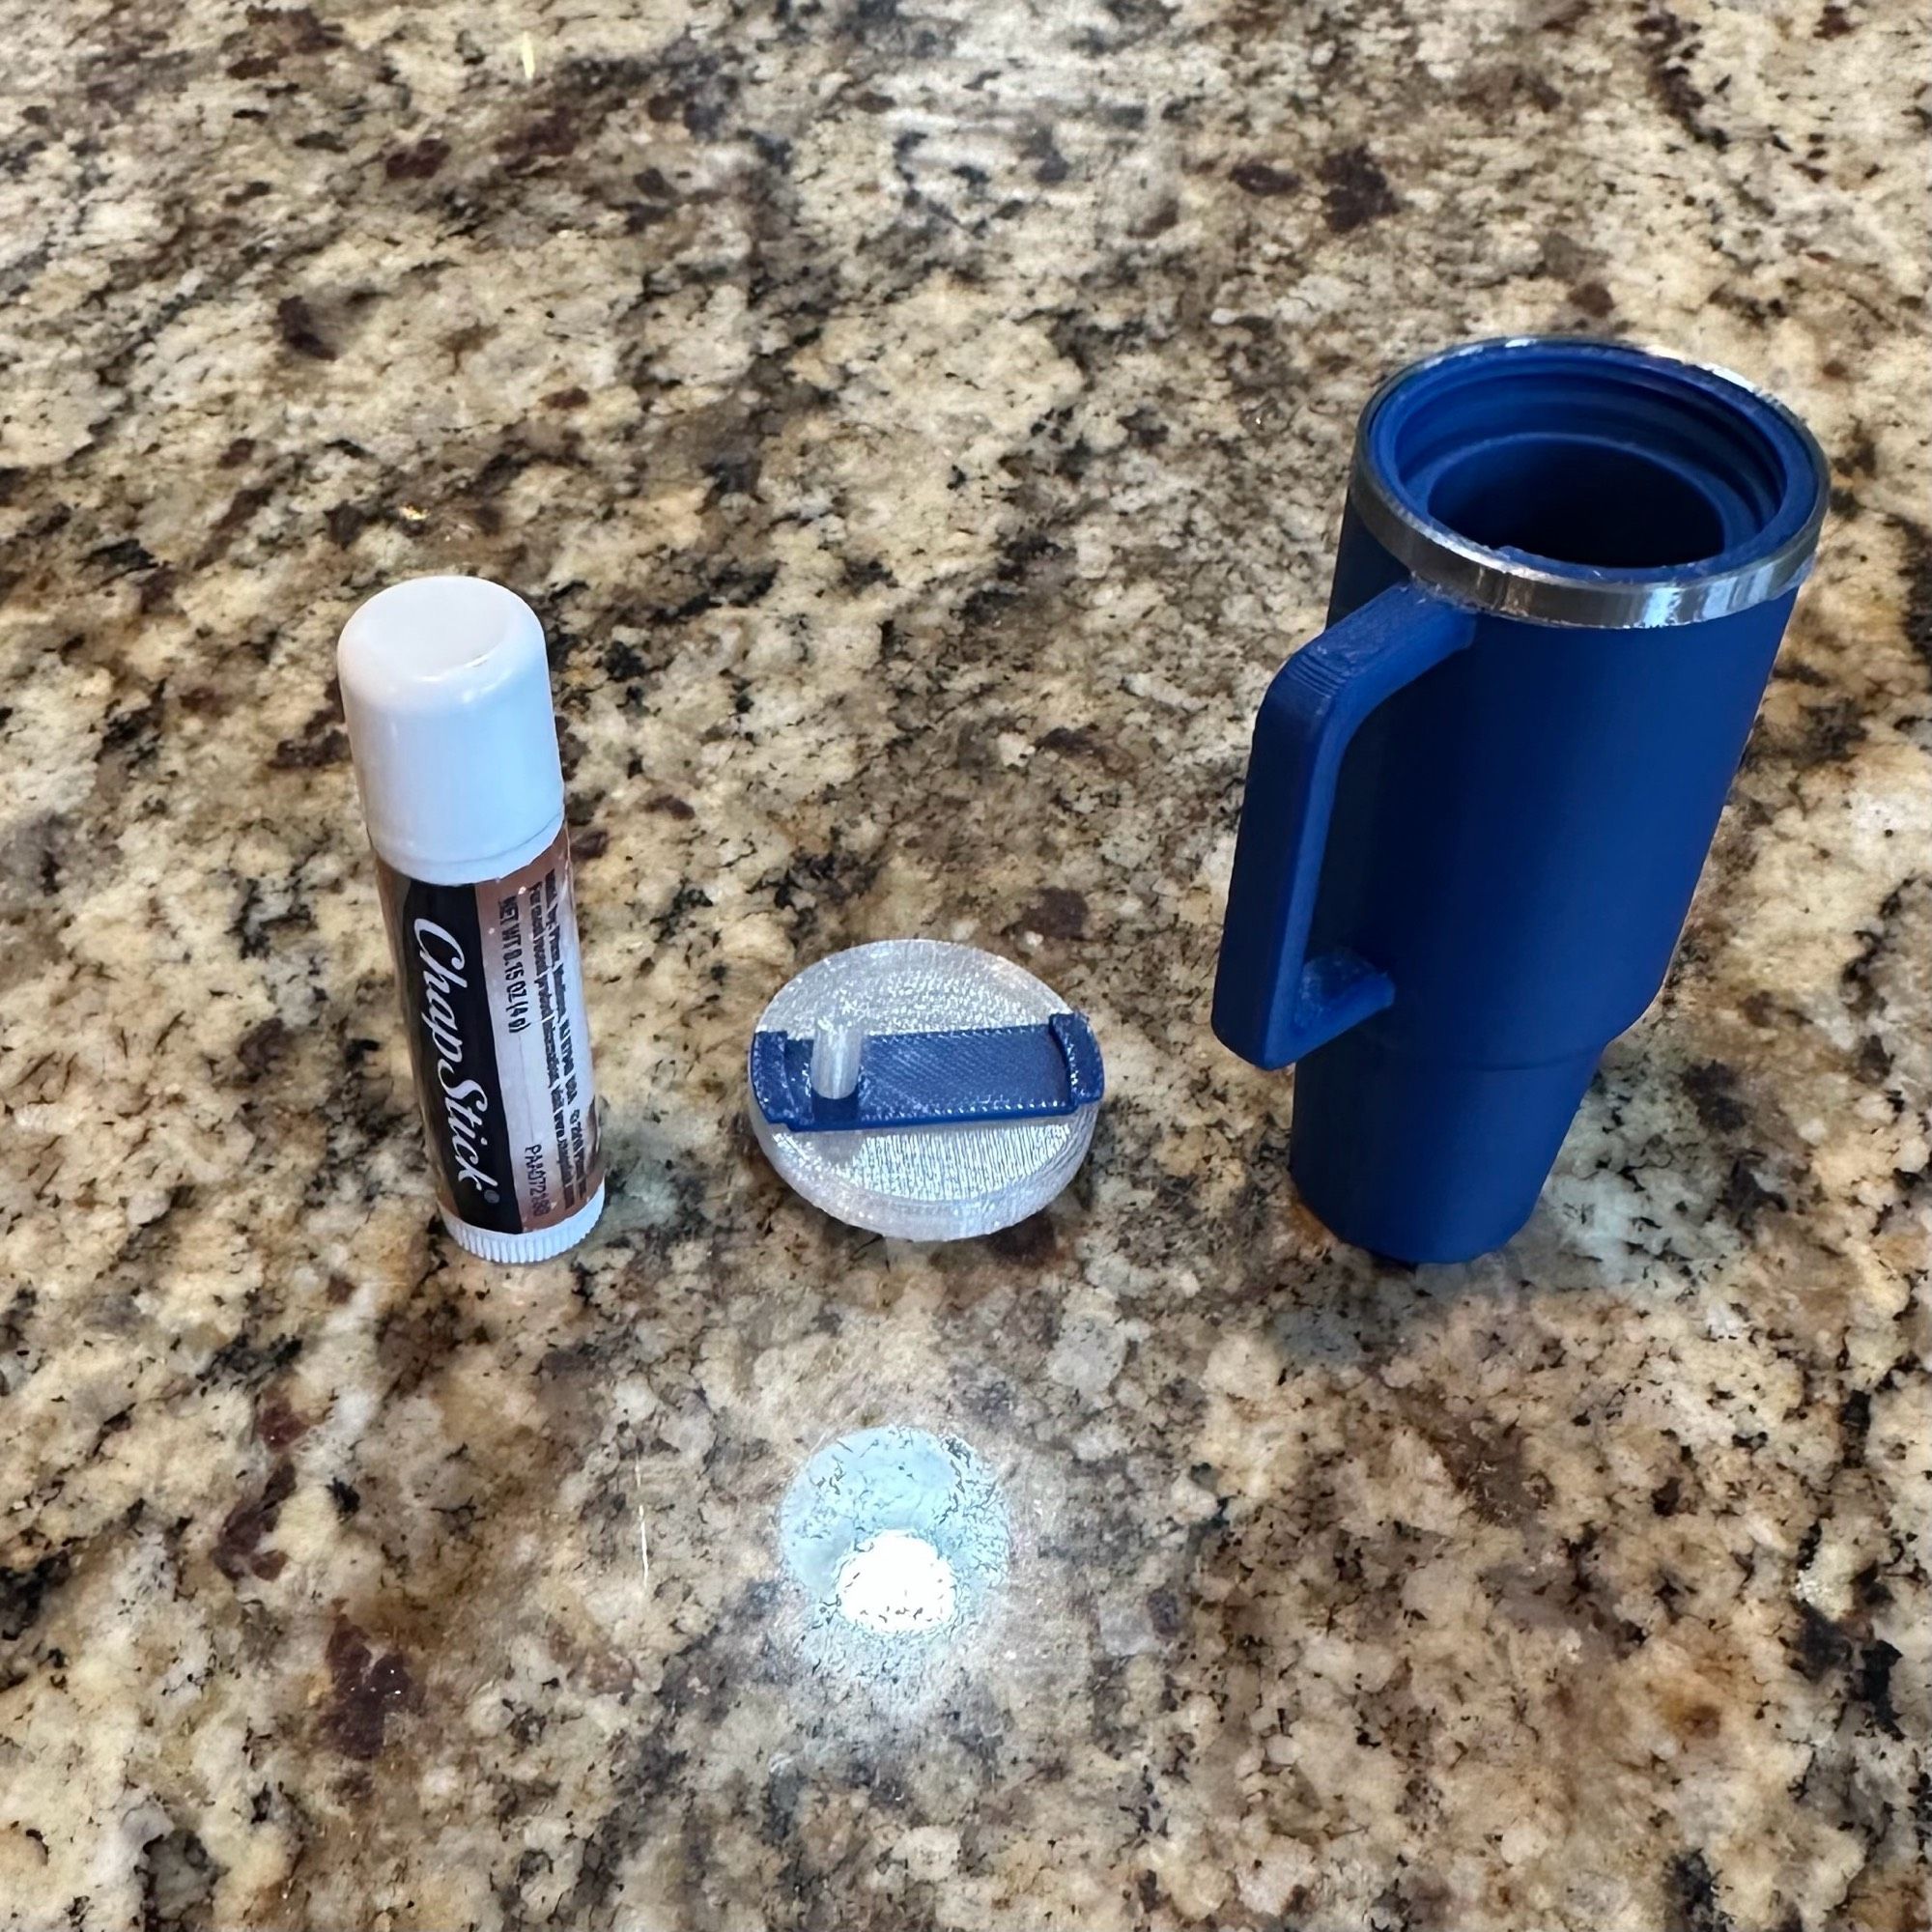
{"points": [[922, 430]]}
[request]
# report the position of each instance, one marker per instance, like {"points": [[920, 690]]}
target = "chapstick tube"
{"points": [[447, 690]]}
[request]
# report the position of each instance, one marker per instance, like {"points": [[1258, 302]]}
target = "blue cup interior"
{"points": [[1591, 457]]}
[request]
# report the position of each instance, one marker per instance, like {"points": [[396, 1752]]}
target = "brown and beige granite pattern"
{"points": [[920, 423]]}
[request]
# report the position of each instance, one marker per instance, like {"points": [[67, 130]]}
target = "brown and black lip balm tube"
{"points": [[447, 690]]}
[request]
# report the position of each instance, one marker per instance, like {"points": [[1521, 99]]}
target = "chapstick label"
{"points": [[493, 994]]}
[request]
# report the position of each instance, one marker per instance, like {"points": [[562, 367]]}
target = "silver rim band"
{"points": [[1516, 587]]}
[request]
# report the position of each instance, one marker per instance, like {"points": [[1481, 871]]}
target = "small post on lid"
{"points": [[837, 1043]]}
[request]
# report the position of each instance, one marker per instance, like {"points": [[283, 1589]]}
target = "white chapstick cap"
{"points": [[447, 691]]}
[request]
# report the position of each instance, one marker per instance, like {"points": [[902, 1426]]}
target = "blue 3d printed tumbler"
{"points": [[1477, 805]]}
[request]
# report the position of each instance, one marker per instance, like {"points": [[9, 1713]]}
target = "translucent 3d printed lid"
{"points": [[923, 1089]]}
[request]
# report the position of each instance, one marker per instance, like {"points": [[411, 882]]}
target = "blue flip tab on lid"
{"points": [[952, 1077]]}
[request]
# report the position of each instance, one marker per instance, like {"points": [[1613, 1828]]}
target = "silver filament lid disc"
{"points": [[922, 1183]]}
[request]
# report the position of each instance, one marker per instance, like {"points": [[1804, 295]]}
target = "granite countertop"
{"points": [[920, 426]]}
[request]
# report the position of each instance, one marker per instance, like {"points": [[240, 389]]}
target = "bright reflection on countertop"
{"points": [[897, 1583], [898, 1540]]}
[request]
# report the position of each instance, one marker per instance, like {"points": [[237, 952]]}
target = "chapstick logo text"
{"points": [[465, 1102]]}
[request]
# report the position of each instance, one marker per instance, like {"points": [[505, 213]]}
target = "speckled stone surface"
{"points": [[920, 424]]}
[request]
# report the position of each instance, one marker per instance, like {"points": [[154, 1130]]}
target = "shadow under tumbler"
{"points": [[1478, 803]]}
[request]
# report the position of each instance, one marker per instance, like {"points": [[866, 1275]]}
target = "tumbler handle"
{"points": [[1272, 1003]]}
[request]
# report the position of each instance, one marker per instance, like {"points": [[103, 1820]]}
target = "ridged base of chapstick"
{"points": [[538, 1245]]}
